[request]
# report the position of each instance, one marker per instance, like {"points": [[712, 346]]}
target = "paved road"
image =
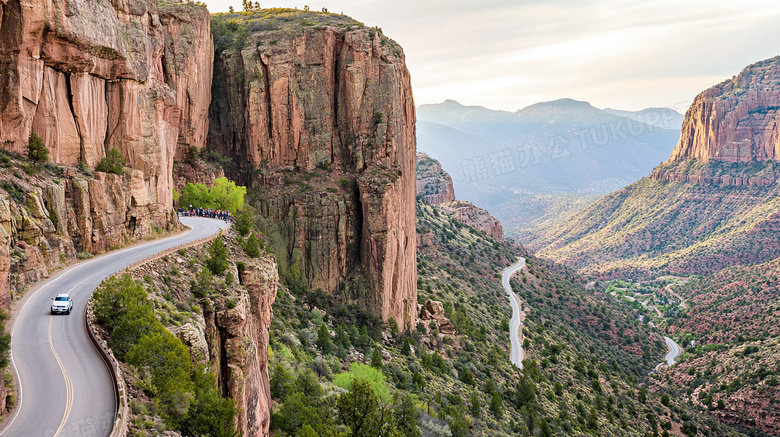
{"points": [[674, 351], [66, 388], [515, 325]]}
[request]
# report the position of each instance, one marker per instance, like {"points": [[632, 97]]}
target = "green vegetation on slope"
{"points": [[585, 355], [734, 318], [233, 30], [656, 226]]}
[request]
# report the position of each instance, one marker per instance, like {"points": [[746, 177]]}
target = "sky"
{"points": [[622, 54]]}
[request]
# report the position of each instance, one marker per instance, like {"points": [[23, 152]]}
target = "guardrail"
{"points": [[123, 411]]}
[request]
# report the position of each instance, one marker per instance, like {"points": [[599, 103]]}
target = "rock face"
{"points": [[713, 204], [477, 218], [90, 75], [433, 184], [434, 310], [736, 120], [239, 345], [54, 218], [322, 120]]}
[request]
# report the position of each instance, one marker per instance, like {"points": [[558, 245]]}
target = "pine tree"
{"points": [[217, 261], [36, 149], [376, 359], [323, 339]]}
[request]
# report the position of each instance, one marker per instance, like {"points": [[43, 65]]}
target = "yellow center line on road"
{"points": [[68, 383]]}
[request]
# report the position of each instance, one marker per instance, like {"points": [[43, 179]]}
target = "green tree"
{"points": [[376, 359], [361, 411], [296, 411], [252, 246], [244, 223], [323, 342], [374, 377], [475, 406], [308, 384], [209, 414], [197, 195], [36, 149], [114, 297], [526, 391], [281, 382], [405, 414], [467, 377], [459, 424], [307, 431], [227, 196], [497, 406], [112, 163], [167, 361], [217, 261], [665, 399]]}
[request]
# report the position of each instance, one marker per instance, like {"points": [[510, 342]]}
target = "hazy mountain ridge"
{"points": [[691, 215], [559, 149]]}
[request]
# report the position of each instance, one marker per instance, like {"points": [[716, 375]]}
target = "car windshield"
{"points": [[61, 299]]}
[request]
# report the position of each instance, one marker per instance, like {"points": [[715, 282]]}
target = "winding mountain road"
{"points": [[515, 325], [674, 351], [65, 386]]}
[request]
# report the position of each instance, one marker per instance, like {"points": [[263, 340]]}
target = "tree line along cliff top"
{"points": [[232, 30]]}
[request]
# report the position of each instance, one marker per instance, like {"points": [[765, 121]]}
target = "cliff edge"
{"points": [[317, 112]]}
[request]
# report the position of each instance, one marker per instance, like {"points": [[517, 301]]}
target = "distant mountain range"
{"points": [[714, 203], [560, 156]]}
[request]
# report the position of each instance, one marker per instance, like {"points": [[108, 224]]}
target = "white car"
{"points": [[61, 304]]}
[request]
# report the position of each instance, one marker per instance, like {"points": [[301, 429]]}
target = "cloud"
{"points": [[507, 54]]}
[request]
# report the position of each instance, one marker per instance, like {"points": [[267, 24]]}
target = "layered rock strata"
{"points": [[478, 218], [322, 120], [89, 75], [736, 120], [433, 184]]}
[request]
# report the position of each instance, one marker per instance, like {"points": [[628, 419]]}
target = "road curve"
{"points": [[516, 352], [65, 387], [674, 351]]}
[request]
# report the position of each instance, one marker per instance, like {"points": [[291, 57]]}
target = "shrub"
{"points": [[217, 261], [112, 163], [36, 149], [375, 378]]}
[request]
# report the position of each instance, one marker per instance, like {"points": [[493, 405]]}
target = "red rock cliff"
{"points": [[737, 120], [90, 75], [433, 184], [322, 119]]}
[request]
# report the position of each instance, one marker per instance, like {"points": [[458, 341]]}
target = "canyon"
{"points": [[712, 204]]}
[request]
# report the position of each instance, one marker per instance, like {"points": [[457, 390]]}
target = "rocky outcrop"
{"points": [[45, 220], [239, 346], [433, 184], [471, 215], [434, 311], [88, 76], [322, 120], [736, 120], [725, 180]]}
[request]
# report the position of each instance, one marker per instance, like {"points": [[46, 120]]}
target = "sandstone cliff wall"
{"points": [[735, 121], [474, 216], [433, 184], [55, 218], [91, 75], [322, 119]]}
